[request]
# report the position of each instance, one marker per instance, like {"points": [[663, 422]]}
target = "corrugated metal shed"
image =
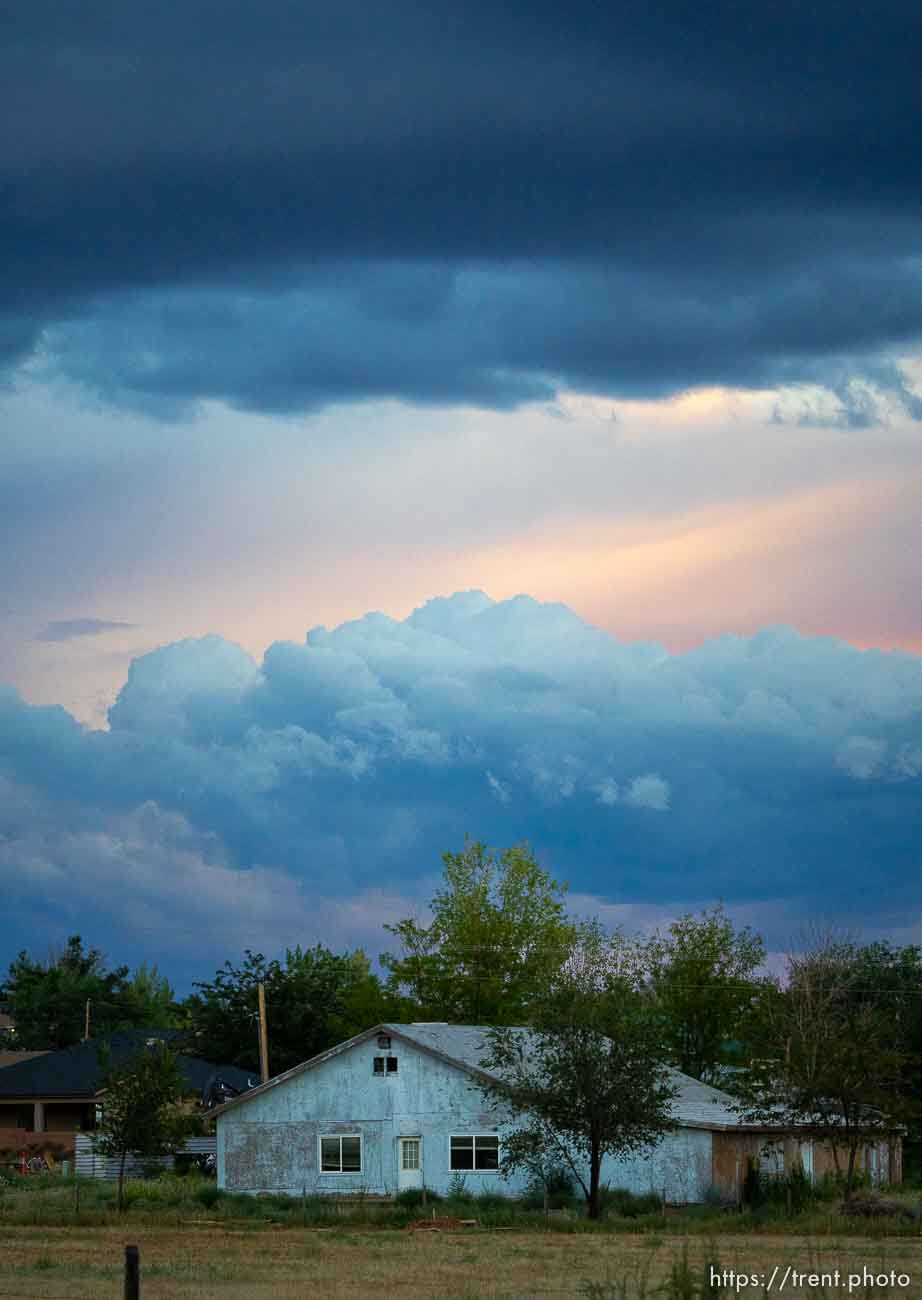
{"points": [[89, 1164]]}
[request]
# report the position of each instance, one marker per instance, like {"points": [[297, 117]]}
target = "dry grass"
{"points": [[238, 1262]]}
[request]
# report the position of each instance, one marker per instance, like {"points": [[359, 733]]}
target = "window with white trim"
{"points": [[477, 1153], [341, 1153], [384, 1065], [409, 1154]]}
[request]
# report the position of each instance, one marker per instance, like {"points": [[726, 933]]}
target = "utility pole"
{"points": [[263, 1036], [86, 1021]]}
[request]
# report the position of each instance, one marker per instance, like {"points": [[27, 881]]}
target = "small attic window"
{"points": [[385, 1065]]}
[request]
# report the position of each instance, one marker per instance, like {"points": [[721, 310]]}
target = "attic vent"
{"points": [[384, 1042]]}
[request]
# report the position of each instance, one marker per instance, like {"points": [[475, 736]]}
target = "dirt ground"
{"points": [[207, 1262]]}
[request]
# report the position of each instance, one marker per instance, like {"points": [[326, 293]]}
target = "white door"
{"points": [[409, 1163]]}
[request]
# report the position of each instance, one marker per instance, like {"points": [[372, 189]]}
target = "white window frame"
{"points": [[495, 1137], [411, 1137], [384, 1072], [340, 1172]]}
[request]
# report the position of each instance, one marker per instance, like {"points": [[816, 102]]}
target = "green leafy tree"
{"points": [[142, 1113], [47, 999], [314, 998], [588, 1079], [149, 1001], [827, 1055], [499, 934], [703, 981]]}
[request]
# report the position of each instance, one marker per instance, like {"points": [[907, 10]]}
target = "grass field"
{"points": [[195, 1246], [200, 1261]]}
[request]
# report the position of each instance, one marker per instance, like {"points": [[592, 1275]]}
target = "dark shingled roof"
{"points": [[76, 1071]]}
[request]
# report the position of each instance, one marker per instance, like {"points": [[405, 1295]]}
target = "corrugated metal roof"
{"points": [[696, 1105]]}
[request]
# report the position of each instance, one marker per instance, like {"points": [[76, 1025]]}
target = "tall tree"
{"points": [[588, 1079], [149, 1000], [141, 1110], [47, 999], [314, 999], [890, 978], [826, 1056], [499, 933], [703, 980]]}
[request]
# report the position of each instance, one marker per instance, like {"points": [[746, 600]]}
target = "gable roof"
{"points": [[76, 1071], [14, 1058], [696, 1104]]}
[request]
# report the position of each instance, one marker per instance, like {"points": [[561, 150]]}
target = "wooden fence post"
{"points": [[132, 1273]]}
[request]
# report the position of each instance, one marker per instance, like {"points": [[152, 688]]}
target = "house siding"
{"points": [[880, 1162], [270, 1142]]}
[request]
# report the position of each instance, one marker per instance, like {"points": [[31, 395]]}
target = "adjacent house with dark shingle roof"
{"points": [[46, 1100]]}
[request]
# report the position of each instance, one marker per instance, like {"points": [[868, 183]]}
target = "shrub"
{"points": [[560, 1190], [457, 1190], [752, 1190], [488, 1200], [412, 1197], [197, 1165], [208, 1195], [630, 1205]]}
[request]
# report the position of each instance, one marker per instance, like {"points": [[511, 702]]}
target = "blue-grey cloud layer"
{"points": [[778, 769], [286, 206], [66, 629]]}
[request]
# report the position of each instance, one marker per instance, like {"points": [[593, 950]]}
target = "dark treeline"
{"points": [[839, 1031]]}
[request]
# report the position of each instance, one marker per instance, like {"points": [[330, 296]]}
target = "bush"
{"points": [[752, 1194], [197, 1165], [208, 1195], [630, 1205], [487, 1200], [412, 1197], [560, 1191], [457, 1190], [151, 1169]]}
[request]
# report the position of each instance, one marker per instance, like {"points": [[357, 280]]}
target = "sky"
{"points": [[422, 420]]}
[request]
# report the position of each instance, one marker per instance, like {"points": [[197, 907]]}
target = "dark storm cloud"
{"points": [[66, 629], [726, 194]]}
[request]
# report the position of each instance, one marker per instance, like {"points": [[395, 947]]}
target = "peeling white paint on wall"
{"points": [[269, 1140]]}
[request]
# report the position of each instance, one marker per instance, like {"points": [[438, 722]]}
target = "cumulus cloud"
{"points": [[861, 756], [649, 791], [774, 767]]}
